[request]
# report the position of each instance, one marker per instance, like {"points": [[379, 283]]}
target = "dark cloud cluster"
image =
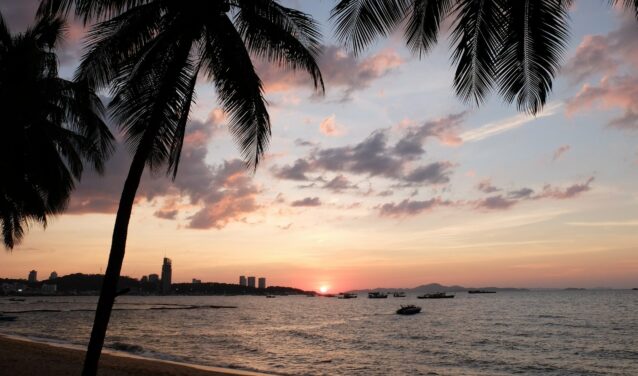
{"points": [[504, 201], [307, 202], [500, 202], [376, 156], [486, 186], [220, 194], [409, 207]]}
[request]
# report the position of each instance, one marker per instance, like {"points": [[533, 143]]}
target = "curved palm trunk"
{"points": [[116, 257]]}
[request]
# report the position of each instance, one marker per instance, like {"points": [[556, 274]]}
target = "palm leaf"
{"points": [[273, 33], [240, 90], [477, 37], [423, 24], [535, 39], [359, 22]]}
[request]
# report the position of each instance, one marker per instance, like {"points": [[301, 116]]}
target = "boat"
{"points": [[17, 300], [398, 294], [436, 295], [377, 295], [408, 310], [481, 292], [270, 296], [635, 289], [347, 295], [7, 318]]}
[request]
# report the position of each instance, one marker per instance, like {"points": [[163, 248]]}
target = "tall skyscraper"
{"points": [[167, 272], [262, 283], [53, 275], [242, 280], [251, 281], [33, 276]]}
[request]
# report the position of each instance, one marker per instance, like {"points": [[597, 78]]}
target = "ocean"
{"points": [[524, 333]]}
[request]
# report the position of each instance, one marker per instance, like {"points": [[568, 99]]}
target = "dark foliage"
{"points": [[51, 127]]}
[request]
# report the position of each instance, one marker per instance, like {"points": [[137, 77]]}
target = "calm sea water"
{"points": [[529, 333]]}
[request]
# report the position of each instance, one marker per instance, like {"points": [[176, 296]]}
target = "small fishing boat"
{"points": [[436, 295], [398, 294], [481, 292], [347, 295], [408, 310], [377, 295]]}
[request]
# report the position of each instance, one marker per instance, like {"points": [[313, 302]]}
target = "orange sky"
{"points": [[388, 181]]}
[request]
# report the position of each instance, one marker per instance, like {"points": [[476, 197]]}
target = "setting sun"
{"points": [[323, 289]]}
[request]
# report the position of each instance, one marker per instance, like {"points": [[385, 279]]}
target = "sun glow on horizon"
{"points": [[323, 289]]}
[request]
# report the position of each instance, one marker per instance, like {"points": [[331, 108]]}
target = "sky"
{"points": [[389, 180]]}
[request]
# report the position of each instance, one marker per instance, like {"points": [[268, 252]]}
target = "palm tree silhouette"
{"points": [[512, 46], [150, 54], [50, 128]]}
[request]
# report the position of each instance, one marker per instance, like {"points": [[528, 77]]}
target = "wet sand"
{"points": [[26, 358]]}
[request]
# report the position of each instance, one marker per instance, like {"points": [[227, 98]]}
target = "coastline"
{"points": [[26, 357]]}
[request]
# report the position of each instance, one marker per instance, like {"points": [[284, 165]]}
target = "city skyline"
{"points": [[389, 180]]}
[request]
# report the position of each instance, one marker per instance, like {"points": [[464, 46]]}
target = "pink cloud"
{"points": [[605, 54], [612, 92], [339, 69], [329, 126], [560, 151]]}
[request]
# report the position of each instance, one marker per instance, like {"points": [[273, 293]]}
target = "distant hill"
{"points": [[437, 287], [213, 288]]}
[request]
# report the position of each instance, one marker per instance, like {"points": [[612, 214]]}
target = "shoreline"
{"points": [[26, 357]]}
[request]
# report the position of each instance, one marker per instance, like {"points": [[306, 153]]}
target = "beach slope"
{"points": [[25, 358]]}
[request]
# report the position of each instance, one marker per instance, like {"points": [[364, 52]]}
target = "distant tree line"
{"points": [[79, 283]]}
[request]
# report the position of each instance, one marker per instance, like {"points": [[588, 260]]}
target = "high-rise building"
{"points": [[33, 276], [242, 280], [262, 283], [153, 278], [251, 281], [144, 279], [167, 272], [53, 275]]}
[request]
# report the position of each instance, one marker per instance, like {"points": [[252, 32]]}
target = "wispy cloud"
{"points": [[628, 223], [501, 126]]}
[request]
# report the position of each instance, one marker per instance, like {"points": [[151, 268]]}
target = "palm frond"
{"points": [[177, 143], [48, 31], [423, 24], [359, 22], [282, 36], [477, 35], [111, 42], [5, 34], [87, 10], [536, 35], [240, 90], [150, 106], [631, 5]]}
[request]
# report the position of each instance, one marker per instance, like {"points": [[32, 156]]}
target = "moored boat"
{"points": [[436, 295], [347, 295], [481, 292], [398, 294], [408, 310], [270, 296], [377, 295]]}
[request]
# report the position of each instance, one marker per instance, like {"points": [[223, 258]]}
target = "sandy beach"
{"points": [[26, 358]]}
